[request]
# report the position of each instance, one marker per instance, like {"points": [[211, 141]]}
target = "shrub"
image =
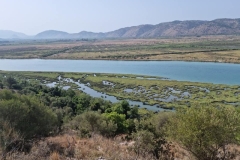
{"points": [[144, 143], [26, 114], [91, 122], [204, 131], [9, 137], [118, 119]]}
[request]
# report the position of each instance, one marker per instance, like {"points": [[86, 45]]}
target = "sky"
{"points": [[34, 16]]}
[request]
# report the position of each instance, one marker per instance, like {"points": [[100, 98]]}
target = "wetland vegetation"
{"points": [[150, 90]]}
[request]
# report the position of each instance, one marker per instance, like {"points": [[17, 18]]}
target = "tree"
{"points": [[1, 85], [82, 102], [96, 104], [122, 108], [119, 119], [10, 82], [205, 131]]}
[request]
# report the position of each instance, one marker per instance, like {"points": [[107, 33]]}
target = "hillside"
{"points": [[52, 34], [167, 29], [7, 34], [180, 28]]}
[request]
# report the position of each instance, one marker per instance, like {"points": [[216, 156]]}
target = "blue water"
{"points": [[219, 73]]}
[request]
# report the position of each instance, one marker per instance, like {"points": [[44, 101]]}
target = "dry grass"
{"points": [[71, 147], [54, 156], [183, 49]]}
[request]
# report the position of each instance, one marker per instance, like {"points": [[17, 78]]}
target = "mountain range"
{"points": [[168, 29], [6, 34]]}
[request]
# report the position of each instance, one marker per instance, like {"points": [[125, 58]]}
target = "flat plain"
{"points": [[206, 48]]}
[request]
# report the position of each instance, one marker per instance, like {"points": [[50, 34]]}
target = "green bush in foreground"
{"points": [[91, 122], [205, 131], [26, 114]]}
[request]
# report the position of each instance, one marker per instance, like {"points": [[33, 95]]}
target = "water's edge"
{"points": [[93, 93]]}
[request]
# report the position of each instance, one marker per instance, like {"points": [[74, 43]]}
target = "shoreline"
{"points": [[120, 60]]}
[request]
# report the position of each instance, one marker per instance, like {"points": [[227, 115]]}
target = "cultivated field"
{"points": [[207, 48]]}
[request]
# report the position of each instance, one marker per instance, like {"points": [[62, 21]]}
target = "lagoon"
{"points": [[218, 73]]}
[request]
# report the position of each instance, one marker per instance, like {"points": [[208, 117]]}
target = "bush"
{"points": [[91, 122], [119, 120], [204, 131], [9, 137], [26, 114], [144, 143], [150, 136], [155, 123]]}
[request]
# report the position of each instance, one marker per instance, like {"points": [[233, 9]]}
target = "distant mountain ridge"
{"points": [[49, 34], [7, 34], [168, 29]]}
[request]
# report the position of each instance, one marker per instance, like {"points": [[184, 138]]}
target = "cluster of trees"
{"points": [[32, 111]]}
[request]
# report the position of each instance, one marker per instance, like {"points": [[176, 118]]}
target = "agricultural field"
{"points": [[158, 91], [206, 48]]}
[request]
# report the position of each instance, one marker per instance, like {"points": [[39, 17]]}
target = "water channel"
{"points": [[86, 89]]}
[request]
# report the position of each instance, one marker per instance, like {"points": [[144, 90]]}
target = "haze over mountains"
{"points": [[168, 29], [6, 34]]}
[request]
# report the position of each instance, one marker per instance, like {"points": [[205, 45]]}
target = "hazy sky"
{"points": [[34, 16]]}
